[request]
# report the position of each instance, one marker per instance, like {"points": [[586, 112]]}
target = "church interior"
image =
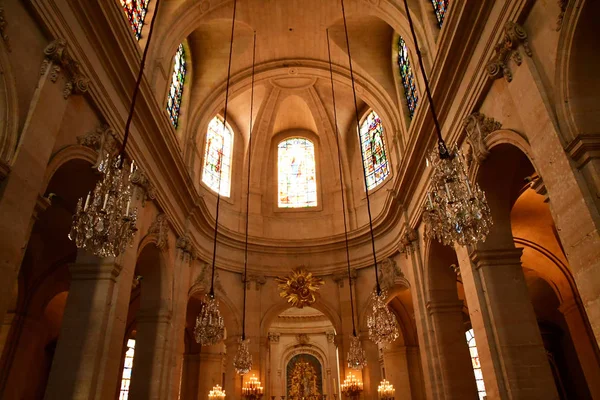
{"points": [[299, 199]]}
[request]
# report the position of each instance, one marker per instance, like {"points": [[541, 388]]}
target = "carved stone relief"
{"points": [[513, 38], [203, 280], [389, 272], [274, 337], [3, 33], [409, 241], [562, 4], [102, 140], [58, 59], [259, 281], [330, 336], [160, 228], [340, 277], [185, 246], [302, 338], [478, 127], [144, 190]]}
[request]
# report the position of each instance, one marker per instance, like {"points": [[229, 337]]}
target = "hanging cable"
{"points": [[212, 277], [337, 141], [441, 143], [138, 83], [362, 156], [248, 189]]}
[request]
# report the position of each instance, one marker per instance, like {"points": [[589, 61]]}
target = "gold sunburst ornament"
{"points": [[300, 287]]}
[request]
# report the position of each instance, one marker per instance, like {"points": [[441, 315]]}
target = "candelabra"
{"points": [[456, 210], [382, 323], [210, 327], [352, 386], [104, 225], [217, 393], [253, 389], [386, 390]]}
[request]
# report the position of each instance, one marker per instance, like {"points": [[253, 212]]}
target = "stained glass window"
{"points": [[177, 82], [136, 10], [476, 364], [407, 77], [217, 157], [296, 173], [440, 7], [126, 378], [372, 145]]}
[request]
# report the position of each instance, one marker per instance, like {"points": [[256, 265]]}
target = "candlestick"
{"points": [[87, 201]]}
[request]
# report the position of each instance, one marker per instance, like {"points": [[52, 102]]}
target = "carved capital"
{"points": [[409, 241], [478, 127], [330, 336], [513, 39], [185, 246], [274, 337], [259, 281], [160, 228], [340, 277], [302, 338], [389, 274], [3, 24], [58, 58], [143, 187]]}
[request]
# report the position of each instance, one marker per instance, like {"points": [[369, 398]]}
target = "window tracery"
{"points": [[177, 84], [136, 11], [217, 157], [127, 367], [297, 186], [476, 364], [372, 145], [407, 77], [440, 7]]}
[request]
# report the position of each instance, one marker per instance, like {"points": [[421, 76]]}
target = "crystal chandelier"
{"points": [[356, 354], [217, 393], [252, 389], [210, 327], [352, 387], [456, 211], [105, 224], [242, 361], [386, 390], [382, 323]]}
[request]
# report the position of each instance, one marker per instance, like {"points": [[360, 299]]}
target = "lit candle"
{"points": [[131, 171], [468, 185], [87, 201], [128, 204], [429, 199], [105, 201]]}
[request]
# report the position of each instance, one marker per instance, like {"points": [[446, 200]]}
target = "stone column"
{"points": [[371, 374], [233, 381], [510, 346], [457, 374], [80, 356], [333, 365], [24, 183], [211, 371], [415, 372], [346, 316], [276, 376], [397, 371], [585, 344], [191, 372]]}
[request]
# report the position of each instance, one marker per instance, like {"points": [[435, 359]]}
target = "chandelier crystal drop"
{"points": [[456, 210], [382, 323], [356, 355], [242, 361], [105, 223], [210, 327]]}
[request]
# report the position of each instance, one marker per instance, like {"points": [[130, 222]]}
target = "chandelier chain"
{"points": [[339, 151], [212, 275], [362, 156]]}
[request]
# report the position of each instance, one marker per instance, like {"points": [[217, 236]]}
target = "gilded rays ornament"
{"points": [[300, 287]]}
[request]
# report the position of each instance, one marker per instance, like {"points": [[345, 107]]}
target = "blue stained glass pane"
{"points": [[176, 89], [136, 10], [297, 184], [407, 77], [372, 145], [440, 7], [216, 173]]}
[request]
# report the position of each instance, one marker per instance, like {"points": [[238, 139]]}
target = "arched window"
{"points": [[217, 157], [440, 7], [176, 89], [407, 77], [126, 378], [136, 10], [296, 173], [372, 144], [476, 365]]}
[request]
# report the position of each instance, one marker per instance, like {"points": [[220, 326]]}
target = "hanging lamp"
{"points": [[104, 224], [356, 354], [242, 361], [210, 326], [456, 210], [382, 323]]}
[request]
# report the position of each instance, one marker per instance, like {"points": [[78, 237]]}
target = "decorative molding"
{"points": [[144, 188], [259, 281], [538, 185], [340, 277], [3, 33], [102, 140], [409, 241], [42, 203], [478, 127], [330, 336], [562, 4], [583, 149], [58, 59], [203, 280], [514, 37], [160, 228], [186, 247], [456, 269], [390, 274], [302, 339], [274, 337]]}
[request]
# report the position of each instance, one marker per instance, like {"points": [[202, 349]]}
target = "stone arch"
{"points": [[65, 155], [272, 313]]}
